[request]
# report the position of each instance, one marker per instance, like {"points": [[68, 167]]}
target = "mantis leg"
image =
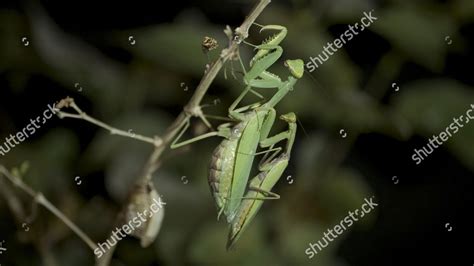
{"points": [[274, 40], [221, 132], [263, 183], [237, 113], [275, 139], [245, 73], [258, 70], [265, 161], [289, 135], [275, 150], [221, 118], [262, 64], [268, 164], [242, 64], [270, 195], [267, 124], [221, 211], [270, 142], [269, 52], [205, 121]]}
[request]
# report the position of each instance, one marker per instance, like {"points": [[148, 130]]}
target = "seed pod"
{"points": [[146, 209]]}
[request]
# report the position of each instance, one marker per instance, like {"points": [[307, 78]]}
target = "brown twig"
{"points": [[69, 102], [38, 197]]}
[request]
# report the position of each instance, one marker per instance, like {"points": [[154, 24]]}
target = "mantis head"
{"points": [[296, 67], [289, 117]]}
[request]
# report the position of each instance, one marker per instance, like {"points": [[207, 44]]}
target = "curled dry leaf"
{"points": [[144, 200]]}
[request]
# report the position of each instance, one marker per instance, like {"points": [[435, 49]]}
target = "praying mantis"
{"points": [[232, 160], [260, 186], [254, 127]]}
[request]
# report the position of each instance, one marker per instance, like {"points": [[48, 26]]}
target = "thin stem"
{"points": [[37, 196], [69, 102], [243, 30]]}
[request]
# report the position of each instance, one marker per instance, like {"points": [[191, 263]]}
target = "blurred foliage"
{"points": [[139, 87]]}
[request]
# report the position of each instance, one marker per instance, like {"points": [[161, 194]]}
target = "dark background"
{"points": [[138, 87]]}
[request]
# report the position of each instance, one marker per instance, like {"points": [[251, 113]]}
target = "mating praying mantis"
{"points": [[232, 160], [260, 186]]}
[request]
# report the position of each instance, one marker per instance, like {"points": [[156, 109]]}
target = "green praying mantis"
{"points": [[232, 159], [260, 186]]}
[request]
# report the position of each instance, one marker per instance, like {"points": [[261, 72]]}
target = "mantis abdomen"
{"points": [[221, 169]]}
